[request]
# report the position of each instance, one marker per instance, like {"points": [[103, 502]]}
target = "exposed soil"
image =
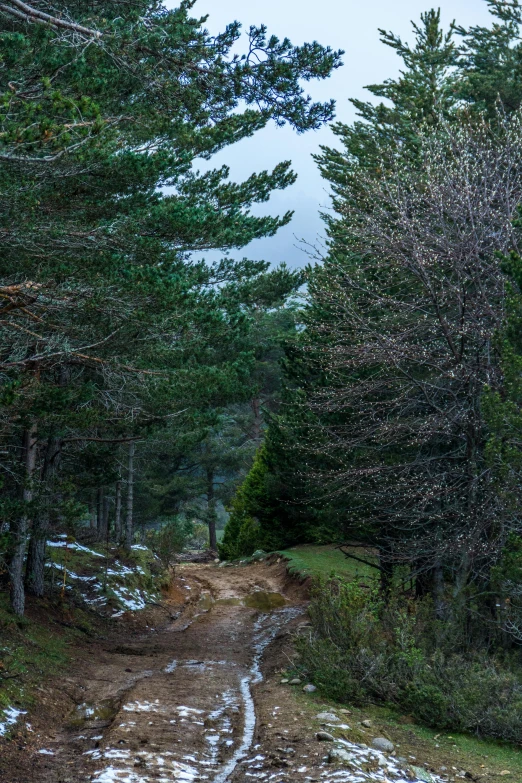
{"points": [[198, 698]]}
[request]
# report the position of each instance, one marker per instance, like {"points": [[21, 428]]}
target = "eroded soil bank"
{"points": [[198, 698]]}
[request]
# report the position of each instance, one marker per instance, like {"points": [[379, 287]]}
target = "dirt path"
{"points": [[200, 700]]}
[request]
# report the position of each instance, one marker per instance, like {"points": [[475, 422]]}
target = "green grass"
{"points": [[30, 650], [325, 561]]}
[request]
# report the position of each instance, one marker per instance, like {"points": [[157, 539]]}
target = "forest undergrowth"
{"points": [[366, 649]]}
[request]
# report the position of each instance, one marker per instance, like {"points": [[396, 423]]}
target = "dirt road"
{"points": [[201, 700]]}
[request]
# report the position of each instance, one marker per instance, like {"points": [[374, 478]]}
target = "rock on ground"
{"points": [[339, 756], [323, 736], [327, 717], [383, 744]]}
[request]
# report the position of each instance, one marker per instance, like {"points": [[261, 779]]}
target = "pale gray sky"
{"points": [[351, 25]]}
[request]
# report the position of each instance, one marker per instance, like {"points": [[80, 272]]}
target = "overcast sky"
{"points": [[351, 25]]}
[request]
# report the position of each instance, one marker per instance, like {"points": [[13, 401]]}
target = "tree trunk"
{"points": [[438, 591], [117, 513], [211, 510], [94, 513], [461, 581], [35, 569], [103, 527], [258, 421], [386, 571], [423, 580], [129, 522], [19, 529], [99, 504]]}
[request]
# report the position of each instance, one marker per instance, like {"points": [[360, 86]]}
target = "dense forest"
{"points": [[134, 374], [149, 396]]}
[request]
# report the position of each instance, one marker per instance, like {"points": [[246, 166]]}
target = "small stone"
{"points": [[345, 712], [327, 717], [309, 688], [216, 560], [284, 681], [340, 756], [366, 723], [323, 736], [505, 772], [383, 744], [402, 760], [295, 681], [422, 774]]}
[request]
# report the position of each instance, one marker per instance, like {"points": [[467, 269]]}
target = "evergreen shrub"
{"points": [[243, 533], [364, 650]]}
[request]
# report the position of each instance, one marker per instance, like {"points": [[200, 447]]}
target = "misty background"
{"points": [[351, 25]]}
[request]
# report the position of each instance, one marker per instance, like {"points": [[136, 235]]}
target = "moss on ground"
{"points": [[33, 648], [105, 577], [325, 561]]}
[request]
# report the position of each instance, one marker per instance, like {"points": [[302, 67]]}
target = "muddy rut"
{"points": [[201, 699]]}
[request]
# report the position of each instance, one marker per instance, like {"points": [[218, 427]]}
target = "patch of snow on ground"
{"points": [[71, 574], [130, 599], [72, 545], [145, 706], [170, 770], [11, 715]]}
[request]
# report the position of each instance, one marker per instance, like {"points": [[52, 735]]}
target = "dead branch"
{"points": [[29, 14]]}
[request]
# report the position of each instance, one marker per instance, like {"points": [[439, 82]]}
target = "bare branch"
{"points": [[29, 14]]}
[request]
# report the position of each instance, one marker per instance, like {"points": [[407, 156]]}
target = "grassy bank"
{"points": [[107, 579], [35, 648], [324, 561]]}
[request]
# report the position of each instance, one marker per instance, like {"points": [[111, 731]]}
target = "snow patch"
{"points": [[11, 715], [72, 545]]}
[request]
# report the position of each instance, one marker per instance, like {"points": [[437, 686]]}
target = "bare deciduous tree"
{"points": [[413, 298]]}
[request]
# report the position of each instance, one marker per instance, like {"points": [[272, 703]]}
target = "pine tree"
{"points": [[109, 325], [490, 63]]}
